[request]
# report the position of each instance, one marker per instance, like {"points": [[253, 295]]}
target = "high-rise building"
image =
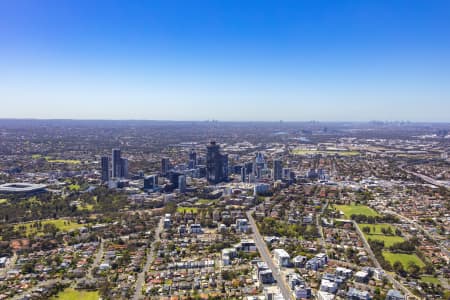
{"points": [[216, 164], [192, 159], [243, 174], [182, 183], [123, 168], [116, 163], [150, 182], [277, 169], [165, 166], [105, 168]]}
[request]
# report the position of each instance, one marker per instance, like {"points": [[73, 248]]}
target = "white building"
{"points": [[195, 229], [282, 257]]}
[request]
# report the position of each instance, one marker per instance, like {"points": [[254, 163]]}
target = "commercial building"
{"points": [[182, 183], [151, 182], [192, 159], [105, 168], [277, 169], [165, 166], [216, 164], [116, 163], [282, 257], [119, 165]]}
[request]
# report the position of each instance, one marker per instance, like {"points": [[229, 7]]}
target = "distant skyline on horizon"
{"points": [[295, 61]]}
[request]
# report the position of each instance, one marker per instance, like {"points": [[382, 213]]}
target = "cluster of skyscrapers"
{"points": [[118, 168], [215, 168]]}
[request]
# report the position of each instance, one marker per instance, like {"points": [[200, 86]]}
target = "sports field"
{"points": [[61, 224], [354, 209], [71, 294], [376, 234], [404, 259], [182, 209]]}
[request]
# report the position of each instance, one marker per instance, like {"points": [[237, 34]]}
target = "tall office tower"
{"points": [[192, 159], [182, 183], [105, 168], [151, 182], [216, 164], [287, 173], [123, 168], [116, 163], [243, 174], [277, 169], [165, 166]]}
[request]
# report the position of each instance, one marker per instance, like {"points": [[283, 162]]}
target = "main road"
{"points": [[266, 256], [150, 257], [391, 278], [444, 184]]}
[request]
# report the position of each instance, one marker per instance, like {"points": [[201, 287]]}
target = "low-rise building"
{"points": [[282, 257]]}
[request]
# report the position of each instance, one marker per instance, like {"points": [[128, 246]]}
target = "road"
{"points": [[319, 225], [426, 178], [442, 247], [150, 257], [97, 259], [267, 257], [394, 282]]}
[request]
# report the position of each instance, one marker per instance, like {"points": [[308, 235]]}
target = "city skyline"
{"points": [[228, 61]]}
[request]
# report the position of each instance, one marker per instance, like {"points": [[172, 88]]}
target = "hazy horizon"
{"points": [[228, 61]]}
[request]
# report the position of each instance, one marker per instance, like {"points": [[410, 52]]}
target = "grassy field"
{"points": [[88, 207], [74, 187], [61, 224], [404, 259], [353, 209], [205, 201], [71, 294], [313, 152], [182, 209], [377, 235], [63, 161], [387, 239], [3, 201], [430, 279]]}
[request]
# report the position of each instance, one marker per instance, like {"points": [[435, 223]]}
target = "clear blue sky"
{"points": [[225, 60]]}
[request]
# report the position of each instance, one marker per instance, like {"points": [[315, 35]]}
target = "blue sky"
{"points": [[225, 60]]}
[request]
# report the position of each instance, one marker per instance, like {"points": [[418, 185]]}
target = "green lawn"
{"points": [[61, 224], [387, 239], [430, 279], [4, 201], [36, 156], [63, 161], [404, 259], [88, 207], [353, 209], [377, 235], [182, 209], [74, 187], [205, 201], [71, 294]]}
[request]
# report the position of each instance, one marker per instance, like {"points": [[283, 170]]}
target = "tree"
{"points": [[366, 229], [413, 269], [398, 268]]}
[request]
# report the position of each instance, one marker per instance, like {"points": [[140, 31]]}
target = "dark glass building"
{"points": [[216, 164]]}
